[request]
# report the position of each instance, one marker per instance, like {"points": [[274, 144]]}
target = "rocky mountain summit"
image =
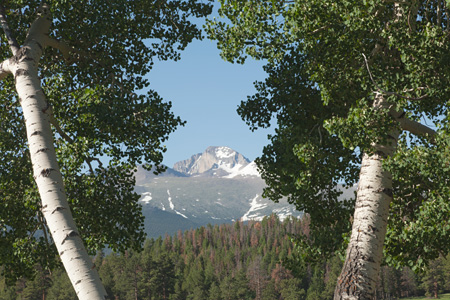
{"points": [[217, 186], [217, 162]]}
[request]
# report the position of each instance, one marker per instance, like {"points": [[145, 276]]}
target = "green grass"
{"points": [[441, 297]]}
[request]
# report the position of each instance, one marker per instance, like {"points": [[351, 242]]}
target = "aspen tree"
{"points": [[349, 83], [71, 73]]}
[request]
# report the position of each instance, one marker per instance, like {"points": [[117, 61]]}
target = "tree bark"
{"points": [[55, 208], [359, 275]]}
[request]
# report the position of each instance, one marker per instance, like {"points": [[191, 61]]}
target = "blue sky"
{"points": [[205, 91]]}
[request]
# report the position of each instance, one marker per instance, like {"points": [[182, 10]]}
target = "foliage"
{"points": [[325, 61], [218, 262], [97, 97]]}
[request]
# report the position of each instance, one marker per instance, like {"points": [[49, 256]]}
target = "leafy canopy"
{"points": [[96, 94]]}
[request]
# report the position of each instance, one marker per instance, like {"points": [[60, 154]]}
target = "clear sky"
{"points": [[205, 91]]}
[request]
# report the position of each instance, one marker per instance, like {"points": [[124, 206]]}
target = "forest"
{"points": [[251, 260]]}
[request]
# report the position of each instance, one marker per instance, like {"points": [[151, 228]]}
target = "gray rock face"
{"points": [[213, 162]]}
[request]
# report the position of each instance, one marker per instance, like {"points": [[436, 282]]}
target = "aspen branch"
{"points": [[417, 128], [67, 51], [5, 69], [49, 111], [63, 47], [386, 92], [14, 46], [319, 29]]}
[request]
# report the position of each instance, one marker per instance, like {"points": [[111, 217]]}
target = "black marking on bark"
{"points": [[373, 229], [61, 253], [381, 153], [402, 115], [78, 282], [59, 208], [388, 192], [70, 234], [39, 45], [42, 150], [37, 132], [46, 172], [370, 259], [21, 72]]}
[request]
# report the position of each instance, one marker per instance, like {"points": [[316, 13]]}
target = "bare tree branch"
{"points": [[9, 36]]}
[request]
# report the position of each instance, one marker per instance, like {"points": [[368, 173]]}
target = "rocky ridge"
{"points": [[217, 186], [213, 162]]}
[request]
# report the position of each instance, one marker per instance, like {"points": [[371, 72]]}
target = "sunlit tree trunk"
{"points": [[365, 250], [55, 208]]}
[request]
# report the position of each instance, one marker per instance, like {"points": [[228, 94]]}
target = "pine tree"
{"points": [[61, 288], [433, 279]]}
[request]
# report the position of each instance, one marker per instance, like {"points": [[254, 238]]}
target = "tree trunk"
{"points": [[55, 208], [361, 268]]}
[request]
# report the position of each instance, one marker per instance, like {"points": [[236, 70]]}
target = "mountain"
{"points": [[217, 186], [215, 162], [143, 176]]}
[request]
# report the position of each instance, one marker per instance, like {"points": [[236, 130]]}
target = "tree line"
{"points": [[227, 262]]}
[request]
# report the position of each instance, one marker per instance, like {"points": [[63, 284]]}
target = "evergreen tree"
{"points": [[6, 292], [317, 284], [61, 288], [333, 269], [270, 292], [214, 292], [36, 289], [408, 282], [433, 279], [290, 289]]}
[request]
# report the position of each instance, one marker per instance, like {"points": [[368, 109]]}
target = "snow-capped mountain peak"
{"points": [[224, 152], [217, 162]]}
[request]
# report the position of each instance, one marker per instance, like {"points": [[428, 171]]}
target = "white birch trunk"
{"points": [[359, 274], [55, 208]]}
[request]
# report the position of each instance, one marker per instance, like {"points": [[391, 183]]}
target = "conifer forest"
{"points": [[229, 262]]}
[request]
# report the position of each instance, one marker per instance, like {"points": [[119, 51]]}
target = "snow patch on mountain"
{"points": [[170, 201], [248, 170], [178, 213], [146, 198], [172, 206], [251, 213], [224, 152], [283, 212]]}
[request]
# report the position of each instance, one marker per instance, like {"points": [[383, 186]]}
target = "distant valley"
{"points": [[217, 186]]}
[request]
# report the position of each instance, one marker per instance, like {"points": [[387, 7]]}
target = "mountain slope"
{"points": [[217, 186]]}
